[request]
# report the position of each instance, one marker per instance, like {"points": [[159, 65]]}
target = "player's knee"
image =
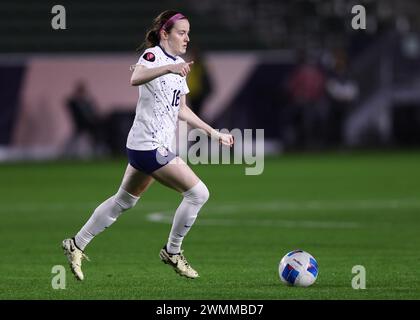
{"points": [[125, 200], [204, 194], [199, 194]]}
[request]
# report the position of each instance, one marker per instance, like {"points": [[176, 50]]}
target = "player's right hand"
{"points": [[181, 68]]}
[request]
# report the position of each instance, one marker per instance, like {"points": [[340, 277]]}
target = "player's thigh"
{"points": [[176, 175], [135, 182]]}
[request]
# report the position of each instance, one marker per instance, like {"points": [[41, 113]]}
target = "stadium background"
{"points": [[341, 114]]}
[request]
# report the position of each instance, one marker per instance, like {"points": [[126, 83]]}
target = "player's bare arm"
{"points": [[186, 114], [142, 74]]}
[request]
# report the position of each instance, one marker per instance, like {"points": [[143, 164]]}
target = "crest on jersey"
{"points": [[148, 56]]}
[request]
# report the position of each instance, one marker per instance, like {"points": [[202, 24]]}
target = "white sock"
{"points": [[186, 214], [105, 215]]}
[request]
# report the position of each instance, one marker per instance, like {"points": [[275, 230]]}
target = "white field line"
{"points": [[266, 206], [317, 205], [166, 217]]}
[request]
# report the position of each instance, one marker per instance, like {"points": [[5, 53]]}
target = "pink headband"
{"points": [[172, 20]]}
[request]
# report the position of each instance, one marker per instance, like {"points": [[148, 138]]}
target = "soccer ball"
{"points": [[298, 268]]}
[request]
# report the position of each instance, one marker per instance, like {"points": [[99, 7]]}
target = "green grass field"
{"points": [[345, 209]]}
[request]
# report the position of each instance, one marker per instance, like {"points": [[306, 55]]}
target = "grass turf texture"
{"points": [[345, 209]]}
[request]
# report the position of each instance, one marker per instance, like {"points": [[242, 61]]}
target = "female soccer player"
{"points": [[161, 76]]}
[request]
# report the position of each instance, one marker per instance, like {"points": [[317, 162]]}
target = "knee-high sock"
{"points": [[105, 215], [186, 214]]}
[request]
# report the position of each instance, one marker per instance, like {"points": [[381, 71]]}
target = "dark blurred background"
{"points": [[294, 68]]}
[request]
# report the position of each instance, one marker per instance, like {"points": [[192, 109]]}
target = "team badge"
{"points": [[148, 56]]}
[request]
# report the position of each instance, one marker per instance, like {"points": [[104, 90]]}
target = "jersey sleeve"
{"points": [[148, 59]]}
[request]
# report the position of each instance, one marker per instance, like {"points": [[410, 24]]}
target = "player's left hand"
{"points": [[226, 139]]}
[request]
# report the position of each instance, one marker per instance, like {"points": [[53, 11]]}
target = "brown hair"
{"points": [[152, 36]]}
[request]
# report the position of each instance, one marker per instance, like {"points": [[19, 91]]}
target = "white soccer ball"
{"points": [[298, 268]]}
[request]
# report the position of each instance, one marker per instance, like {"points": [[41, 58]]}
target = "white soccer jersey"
{"points": [[158, 105]]}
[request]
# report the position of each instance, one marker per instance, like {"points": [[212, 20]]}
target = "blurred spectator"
{"points": [[86, 120], [342, 92], [198, 81], [305, 115]]}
